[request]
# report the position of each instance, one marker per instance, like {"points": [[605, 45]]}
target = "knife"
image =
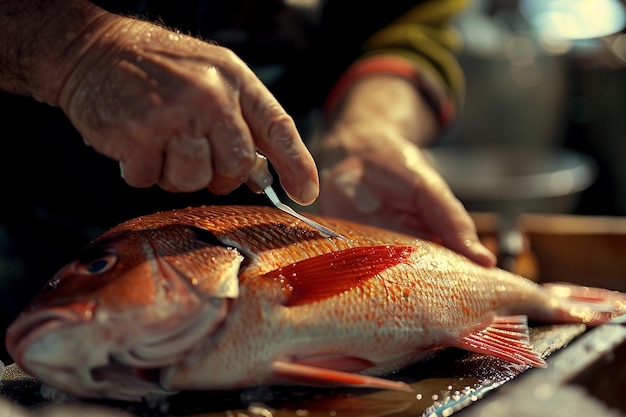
{"points": [[260, 181]]}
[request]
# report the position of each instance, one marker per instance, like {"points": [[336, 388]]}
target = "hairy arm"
{"points": [[43, 40]]}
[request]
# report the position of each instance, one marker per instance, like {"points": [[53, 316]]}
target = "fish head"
{"points": [[134, 302]]}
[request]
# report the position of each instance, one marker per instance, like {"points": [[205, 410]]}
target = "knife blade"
{"points": [[260, 181]]}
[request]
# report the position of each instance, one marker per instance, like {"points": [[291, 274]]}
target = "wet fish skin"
{"points": [[230, 296]]}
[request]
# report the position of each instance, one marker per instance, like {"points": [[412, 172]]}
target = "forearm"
{"points": [[381, 116], [391, 102], [41, 44]]}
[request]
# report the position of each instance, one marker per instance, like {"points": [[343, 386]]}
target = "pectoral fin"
{"points": [[505, 338], [313, 375], [333, 273]]}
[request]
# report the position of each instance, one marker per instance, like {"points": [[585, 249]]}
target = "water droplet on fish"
{"points": [[53, 284]]}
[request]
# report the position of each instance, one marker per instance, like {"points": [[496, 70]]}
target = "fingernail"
{"points": [[308, 194], [122, 169]]}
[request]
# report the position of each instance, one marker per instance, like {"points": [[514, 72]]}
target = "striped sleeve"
{"points": [[420, 46]]}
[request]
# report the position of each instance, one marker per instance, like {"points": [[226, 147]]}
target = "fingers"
{"points": [[458, 232], [416, 201], [236, 123], [438, 210], [216, 151], [447, 217], [276, 136], [195, 119], [188, 166], [141, 169], [234, 151]]}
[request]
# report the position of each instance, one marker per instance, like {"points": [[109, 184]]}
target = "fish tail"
{"points": [[593, 306]]}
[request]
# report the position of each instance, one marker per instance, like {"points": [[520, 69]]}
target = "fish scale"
{"points": [[227, 297]]}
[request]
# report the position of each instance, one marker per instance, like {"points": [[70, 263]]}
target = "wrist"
{"points": [[432, 94], [45, 40], [387, 103]]}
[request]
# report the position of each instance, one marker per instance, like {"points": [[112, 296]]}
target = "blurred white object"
{"points": [[574, 19]]}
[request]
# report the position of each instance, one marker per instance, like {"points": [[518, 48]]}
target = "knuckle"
{"points": [[237, 160], [189, 181], [280, 129]]}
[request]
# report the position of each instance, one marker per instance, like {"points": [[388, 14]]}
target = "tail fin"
{"points": [[594, 306]]}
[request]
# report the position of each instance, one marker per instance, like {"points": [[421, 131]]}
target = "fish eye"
{"points": [[97, 264]]}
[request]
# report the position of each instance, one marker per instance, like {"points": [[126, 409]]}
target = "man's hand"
{"points": [[395, 187], [172, 109], [373, 170]]}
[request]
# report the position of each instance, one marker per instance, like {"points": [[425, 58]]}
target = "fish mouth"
{"points": [[109, 357], [32, 326], [135, 373]]}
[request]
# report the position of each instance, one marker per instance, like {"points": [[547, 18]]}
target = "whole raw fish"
{"points": [[234, 296]]}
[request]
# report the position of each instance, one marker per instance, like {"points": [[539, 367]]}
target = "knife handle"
{"points": [[259, 178]]}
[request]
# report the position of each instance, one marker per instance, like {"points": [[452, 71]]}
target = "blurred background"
{"points": [[544, 127]]}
